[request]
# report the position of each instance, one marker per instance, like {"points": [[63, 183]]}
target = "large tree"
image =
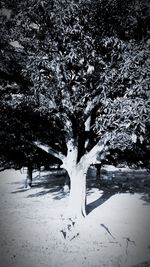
{"points": [[81, 68]]}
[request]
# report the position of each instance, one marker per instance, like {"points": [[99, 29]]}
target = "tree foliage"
{"points": [[76, 70]]}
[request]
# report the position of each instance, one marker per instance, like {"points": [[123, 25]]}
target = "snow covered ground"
{"points": [[116, 231]]}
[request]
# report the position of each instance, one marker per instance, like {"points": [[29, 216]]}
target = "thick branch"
{"points": [[87, 129], [50, 150], [87, 124], [91, 104], [72, 151], [70, 128], [99, 148], [90, 117]]}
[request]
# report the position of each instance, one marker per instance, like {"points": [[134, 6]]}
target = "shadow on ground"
{"points": [[47, 183], [98, 202], [143, 264], [51, 183]]}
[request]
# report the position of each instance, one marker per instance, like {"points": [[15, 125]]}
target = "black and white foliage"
{"points": [[75, 76]]}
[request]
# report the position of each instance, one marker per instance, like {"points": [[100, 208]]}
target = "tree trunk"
{"points": [[28, 181], [98, 171], [77, 197], [66, 186]]}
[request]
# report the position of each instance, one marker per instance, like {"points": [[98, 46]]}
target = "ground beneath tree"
{"points": [[115, 233]]}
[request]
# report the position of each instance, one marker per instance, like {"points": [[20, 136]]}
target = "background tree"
{"points": [[81, 68], [16, 146]]}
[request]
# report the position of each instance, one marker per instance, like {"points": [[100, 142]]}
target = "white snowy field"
{"points": [[115, 233]]}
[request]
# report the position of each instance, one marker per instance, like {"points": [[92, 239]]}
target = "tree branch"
{"points": [[90, 117], [99, 148], [91, 104], [87, 129], [50, 150]]}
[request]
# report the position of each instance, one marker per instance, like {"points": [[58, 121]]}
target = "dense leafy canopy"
{"points": [[63, 61]]}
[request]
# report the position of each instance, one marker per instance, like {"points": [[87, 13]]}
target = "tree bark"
{"points": [[28, 181], [76, 170], [77, 197]]}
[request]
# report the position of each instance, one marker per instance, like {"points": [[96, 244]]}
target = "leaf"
{"points": [[16, 44], [134, 138], [34, 26], [127, 125], [81, 61], [141, 139], [143, 129], [6, 13], [90, 69]]}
